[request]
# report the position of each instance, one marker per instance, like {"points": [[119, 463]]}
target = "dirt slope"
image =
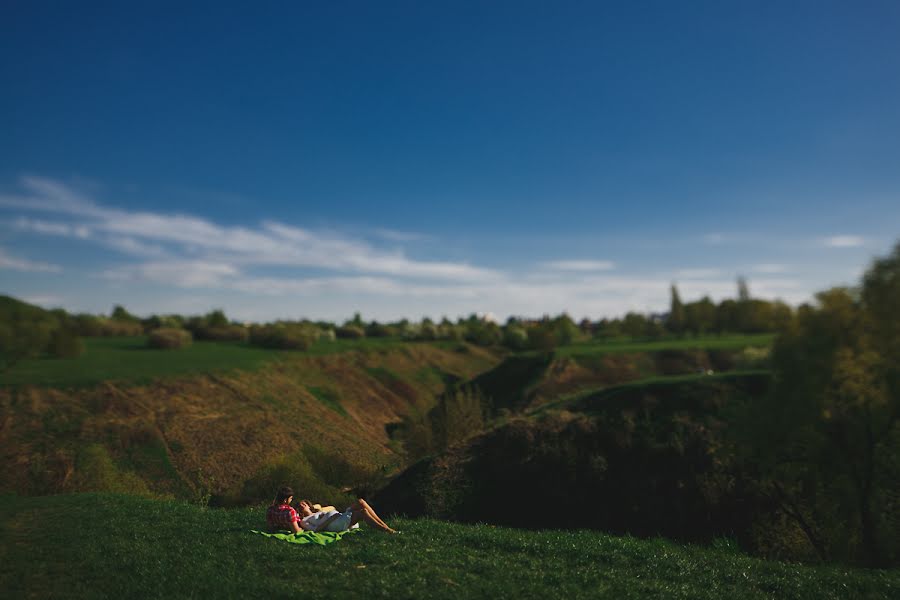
{"points": [[215, 431]]}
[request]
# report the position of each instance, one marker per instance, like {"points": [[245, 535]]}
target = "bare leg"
{"points": [[362, 511]]}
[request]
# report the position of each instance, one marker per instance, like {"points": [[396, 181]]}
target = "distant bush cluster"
{"points": [[284, 336], [27, 331], [32, 331], [168, 338]]}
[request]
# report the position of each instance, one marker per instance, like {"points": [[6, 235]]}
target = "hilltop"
{"points": [[125, 547]]}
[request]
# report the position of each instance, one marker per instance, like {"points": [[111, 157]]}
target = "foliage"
{"points": [[215, 326], [169, 339], [27, 331], [647, 459], [676, 320], [283, 336], [827, 440], [350, 332], [300, 472]]}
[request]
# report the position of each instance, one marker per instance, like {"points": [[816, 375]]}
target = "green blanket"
{"points": [[307, 537]]}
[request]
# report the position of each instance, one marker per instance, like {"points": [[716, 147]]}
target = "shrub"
{"points": [[222, 333], [515, 337], [169, 339], [64, 343], [350, 332], [294, 470], [112, 328], [379, 330], [283, 337]]}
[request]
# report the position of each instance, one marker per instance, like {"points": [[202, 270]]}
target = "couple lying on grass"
{"points": [[281, 515]]}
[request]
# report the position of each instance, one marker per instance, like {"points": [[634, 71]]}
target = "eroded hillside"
{"points": [[212, 433]]}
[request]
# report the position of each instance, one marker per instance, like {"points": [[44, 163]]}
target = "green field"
{"points": [[724, 342], [129, 359], [109, 546], [597, 396]]}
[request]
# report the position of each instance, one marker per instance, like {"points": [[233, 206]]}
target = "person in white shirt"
{"points": [[332, 520]]}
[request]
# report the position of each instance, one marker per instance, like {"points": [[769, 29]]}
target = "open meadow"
{"points": [[105, 546]]}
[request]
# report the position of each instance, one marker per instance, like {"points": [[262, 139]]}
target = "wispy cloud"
{"points": [[769, 268], [270, 243], [579, 265], [844, 241], [23, 264], [714, 238], [697, 273], [399, 236]]}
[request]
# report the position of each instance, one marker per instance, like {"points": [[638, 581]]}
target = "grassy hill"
{"points": [[116, 546]]}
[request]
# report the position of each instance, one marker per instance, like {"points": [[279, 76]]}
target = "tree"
{"points": [[120, 314], [827, 439], [676, 320], [700, 316]]}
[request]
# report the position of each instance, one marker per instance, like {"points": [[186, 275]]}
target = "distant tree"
{"points": [[120, 314], [217, 318], [635, 325], [727, 316], [700, 316], [743, 289], [676, 320]]}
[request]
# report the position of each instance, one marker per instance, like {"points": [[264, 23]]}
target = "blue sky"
{"points": [[409, 159]]}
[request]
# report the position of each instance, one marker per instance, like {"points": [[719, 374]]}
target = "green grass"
{"points": [[129, 359], [725, 342], [329, 398], [582, 400], [108, 546]]}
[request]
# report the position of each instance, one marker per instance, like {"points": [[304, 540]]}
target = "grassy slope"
{"points": [[105, 546], [225, 425]]}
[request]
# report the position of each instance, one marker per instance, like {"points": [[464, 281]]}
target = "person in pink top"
{"points": [[281, 515]]}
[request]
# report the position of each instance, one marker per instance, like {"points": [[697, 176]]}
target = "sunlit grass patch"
{"points": [[122, 546]]}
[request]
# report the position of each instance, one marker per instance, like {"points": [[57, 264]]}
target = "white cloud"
{"points": [[186, 273], [697, 273], [769, 268], [579, 265], [399, 236], [23, 264], [271, 243], [844, 241]]}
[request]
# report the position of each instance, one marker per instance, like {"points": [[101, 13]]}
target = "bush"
{"points": [[64, 343], [296, 471], [283, 337], [350, 332], [515, 337], [222, 333], [379, 330], [169, 339]]}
